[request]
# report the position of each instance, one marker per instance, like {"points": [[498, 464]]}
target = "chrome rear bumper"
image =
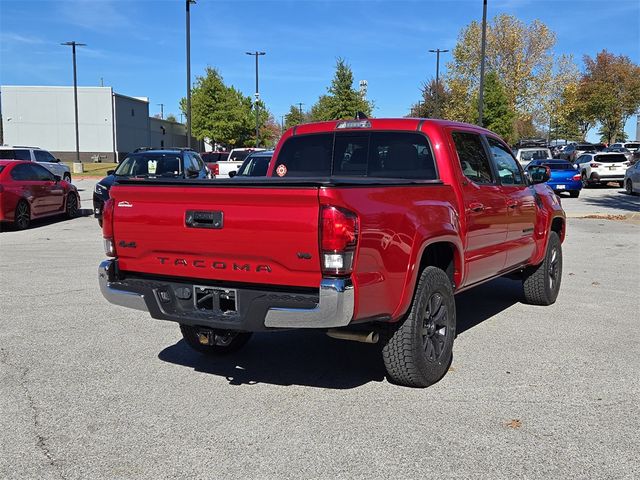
{"points": [[334, 306]]}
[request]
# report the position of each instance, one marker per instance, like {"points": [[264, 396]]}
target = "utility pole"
{"points": [[482, 58], [437, 51], [300, 108], [188, 6], [281, 123], [73, 46], [161, 110], [101, 82], [257, 54]]}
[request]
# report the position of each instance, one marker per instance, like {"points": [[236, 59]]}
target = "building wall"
{"points": [[132, 124], [167, 134], [44, 117]]}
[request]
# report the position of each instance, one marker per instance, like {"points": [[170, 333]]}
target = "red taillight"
{"points": [[576, 177], [338, 240], [216, 169], [107, 228], [594, 165]]}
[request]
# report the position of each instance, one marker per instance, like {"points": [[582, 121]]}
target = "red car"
{"points": [[29, 191]]}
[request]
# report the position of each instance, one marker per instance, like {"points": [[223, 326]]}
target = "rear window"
{"points": [[238, 156], [165, 165], [614, 158], [211, 157], [586, 148], [255, 167], [528, 155], [632, 146], [360, 154], [17, 154], [559, 166]]}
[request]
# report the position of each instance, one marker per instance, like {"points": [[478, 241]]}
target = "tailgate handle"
{"points": [[203, 219]]}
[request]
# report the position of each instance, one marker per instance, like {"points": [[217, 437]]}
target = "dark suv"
{"points": [[149, 163]]}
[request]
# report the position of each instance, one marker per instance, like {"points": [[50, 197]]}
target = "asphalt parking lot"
{"points": [[91, 390]]}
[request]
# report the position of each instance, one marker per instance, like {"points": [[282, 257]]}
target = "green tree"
{"points": [[295, 117], [610, 90], [171, 118], [342, 100], [428, 107], [498, 113], [221, 113]]}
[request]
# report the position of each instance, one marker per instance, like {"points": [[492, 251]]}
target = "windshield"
{"points": [[150, 164], [255, 166], [528, 155], [239, 155], [614, 158]]}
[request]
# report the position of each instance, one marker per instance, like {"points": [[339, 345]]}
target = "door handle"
{"points": [[512, 204], [476, 207]]}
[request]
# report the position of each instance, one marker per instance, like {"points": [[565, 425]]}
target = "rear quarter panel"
{"points": [[396, 223]]}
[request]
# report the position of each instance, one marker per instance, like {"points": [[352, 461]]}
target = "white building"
{"points": [[110, 124]]}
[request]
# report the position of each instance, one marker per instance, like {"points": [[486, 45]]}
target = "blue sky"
{"points": [[138, 47]]}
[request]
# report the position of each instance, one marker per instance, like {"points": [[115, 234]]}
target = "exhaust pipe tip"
{"points": [[362, 337]]}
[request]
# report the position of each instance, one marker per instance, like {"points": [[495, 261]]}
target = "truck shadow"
{"points": [[310, 358]]}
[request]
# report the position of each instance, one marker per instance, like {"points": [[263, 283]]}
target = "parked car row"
{"points": [[39, 155]]}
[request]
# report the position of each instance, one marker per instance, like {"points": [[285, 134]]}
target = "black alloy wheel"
{"points": [[22, 216], [72, 206], [434, 327], [628, 187]]}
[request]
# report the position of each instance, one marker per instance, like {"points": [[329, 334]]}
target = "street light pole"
{"points": [[482, 58], [437, 51], [188, 6], [161, 110], [300, 108], [73, 46], [257, 54]]}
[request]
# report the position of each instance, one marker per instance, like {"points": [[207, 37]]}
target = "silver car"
{"points": [[35, 154], [632, 179]]}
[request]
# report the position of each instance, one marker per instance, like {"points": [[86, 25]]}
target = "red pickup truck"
{"points": [[363, 228]]}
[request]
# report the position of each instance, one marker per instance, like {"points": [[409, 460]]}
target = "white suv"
{"points": [[526, 155], [602, 168], [35, 154]]}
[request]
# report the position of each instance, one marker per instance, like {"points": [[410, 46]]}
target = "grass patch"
{"points": [[92, 169]]}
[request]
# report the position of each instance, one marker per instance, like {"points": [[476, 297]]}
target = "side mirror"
{"points": [[539, 174], [110, 172], [232, 173], [57, 160], [57, 178], [575, 165]]}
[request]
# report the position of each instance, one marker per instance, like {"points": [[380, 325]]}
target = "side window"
{"points": [[22, 173], [473, 157], [41, 173], [42, 156], [505, 164], [22, 155], [199, 161]]}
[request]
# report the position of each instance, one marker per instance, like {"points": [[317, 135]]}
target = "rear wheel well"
{"points": [[558, 226], [441, 255]]}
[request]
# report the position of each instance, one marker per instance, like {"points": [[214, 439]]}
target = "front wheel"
{"points": [[585, 180], [418, 350], [542, 282], [72, 206], [628, 186], [214, 342]]}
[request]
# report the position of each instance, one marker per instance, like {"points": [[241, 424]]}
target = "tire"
{"points": [[100, 222], [22, 216], [418, 350], [628, 186], [542, 283], [71, 209], [574, 193], [585, 180], [228, 342], [67, 177]]}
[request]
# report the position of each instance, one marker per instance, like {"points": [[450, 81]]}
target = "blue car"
{"points": [[564, 176]]}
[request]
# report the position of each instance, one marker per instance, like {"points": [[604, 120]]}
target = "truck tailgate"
{"points": [[266, 235]]}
